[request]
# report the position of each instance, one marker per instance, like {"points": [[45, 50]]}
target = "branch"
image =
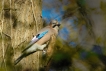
{"points": [[34, 14]]}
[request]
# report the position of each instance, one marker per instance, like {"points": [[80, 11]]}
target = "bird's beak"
{"points": [[58, 24]]}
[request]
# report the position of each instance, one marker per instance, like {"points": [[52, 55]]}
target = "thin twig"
{"points": [[2, 22], [6, 35], [34, 15], [1, 33], [21, 42], [36, 27]]}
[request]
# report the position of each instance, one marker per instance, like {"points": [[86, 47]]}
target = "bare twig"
{"points": [[1, 32], [34, 15], [36, 29], [6, 35], [21, 42], [2, 22]]}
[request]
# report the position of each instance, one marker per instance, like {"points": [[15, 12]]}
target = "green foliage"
{"points": [[61, 60], [65, 56], [2, 69], [82, 2], [103, 6]]}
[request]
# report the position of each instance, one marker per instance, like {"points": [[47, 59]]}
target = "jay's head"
{"points": [[54, 23]]}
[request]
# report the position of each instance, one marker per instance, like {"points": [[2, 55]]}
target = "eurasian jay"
{"points": [[40, 41]]}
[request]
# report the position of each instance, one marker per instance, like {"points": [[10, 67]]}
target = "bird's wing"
{"points": [[36, 38]]}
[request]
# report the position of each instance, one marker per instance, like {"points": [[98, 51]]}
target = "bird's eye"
{"points": [[53, 23]]}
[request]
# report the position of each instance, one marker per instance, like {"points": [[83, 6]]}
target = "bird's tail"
{"points": [[18, 59]]}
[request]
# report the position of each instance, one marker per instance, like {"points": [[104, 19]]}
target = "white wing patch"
{"points": [[33, 38]]}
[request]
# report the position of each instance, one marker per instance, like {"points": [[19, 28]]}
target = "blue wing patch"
{"points": [[39, 36]]}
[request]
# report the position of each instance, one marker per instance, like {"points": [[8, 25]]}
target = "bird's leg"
{"points": [[45, 49]]}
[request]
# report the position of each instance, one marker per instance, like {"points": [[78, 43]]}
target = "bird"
{"points": [[40, 41]]}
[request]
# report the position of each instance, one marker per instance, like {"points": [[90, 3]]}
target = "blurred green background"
{"points": [[81, 44]]}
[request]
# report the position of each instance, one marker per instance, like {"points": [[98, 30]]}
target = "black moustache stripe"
{"points": [[56, 25]]}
